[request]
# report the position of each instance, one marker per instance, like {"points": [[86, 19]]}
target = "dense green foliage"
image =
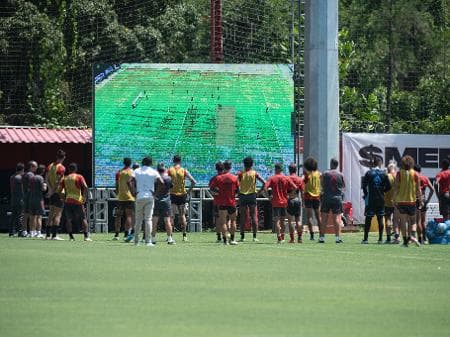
{"points": [[200, 288], [393, 54]]}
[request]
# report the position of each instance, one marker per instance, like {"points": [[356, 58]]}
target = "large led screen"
{"points": [[203, 112]]}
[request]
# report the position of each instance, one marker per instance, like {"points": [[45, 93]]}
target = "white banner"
{"points": [[360, 148]]}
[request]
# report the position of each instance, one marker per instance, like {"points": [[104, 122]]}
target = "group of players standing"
{"points": [[145, 195], [68, 192]]}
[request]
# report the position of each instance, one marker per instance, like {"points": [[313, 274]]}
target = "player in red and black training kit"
{"points": [[226, 186], [219, 169], [422, 210], [442, 185], [280, 186], [294, 208]]}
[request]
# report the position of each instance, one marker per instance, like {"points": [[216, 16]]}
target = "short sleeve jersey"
{"points": [[162, 189], [145, 181], [16, 188], [36, 186], [122, 178], [26, 179], [312, 185], [247, 181], [333, 185], [298, 182], [227, 185], [55, 172], [424, 182], [280, 185], [73, 185], [375, 183], [178, 175], [443, 180], [210, 186]]}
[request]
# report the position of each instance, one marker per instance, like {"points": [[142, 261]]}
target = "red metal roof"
{"points": [[42, 135]]}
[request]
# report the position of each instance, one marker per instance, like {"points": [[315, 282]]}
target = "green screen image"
{"points": [[203, 112]]}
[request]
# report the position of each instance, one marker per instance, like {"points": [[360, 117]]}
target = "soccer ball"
{"points": [[448, 224]]}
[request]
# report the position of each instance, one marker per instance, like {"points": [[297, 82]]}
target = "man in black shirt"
{"points": [[374, 184], [26, 180], [16, 188], [163, 207]]}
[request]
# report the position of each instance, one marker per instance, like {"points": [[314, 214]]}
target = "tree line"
{"points": [[393, 54]]}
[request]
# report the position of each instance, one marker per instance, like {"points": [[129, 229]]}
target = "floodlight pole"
{"points": [[216, 32], [321, 128]]}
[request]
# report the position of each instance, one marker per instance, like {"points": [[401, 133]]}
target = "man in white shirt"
{"points": [[144, 179]]}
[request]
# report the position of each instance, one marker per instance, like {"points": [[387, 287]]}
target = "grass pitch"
{"points": [[200, 288]]}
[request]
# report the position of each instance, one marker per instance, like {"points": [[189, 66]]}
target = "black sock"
{"points": [[405, 240], [48, 231], [54, 231], [132, 232], [367, 227], [219, 237], [414, 234], [380, 227], [86, 234], [184, 234], [388, 237], [232, 237], [311, 235], [117, 234], [242, 235], [71, 236], [396, 236], [224, 239]]}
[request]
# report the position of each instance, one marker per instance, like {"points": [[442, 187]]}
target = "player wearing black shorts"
{"points": [[219, 169], [312, 193], [406, 194], [125, 201], [389, 208], [163, 207], [331, 199], [374, 184], [16, 189], [442, 184], [294, 207], [53, 177], [36, 202], [422, 210], [26, 179]]}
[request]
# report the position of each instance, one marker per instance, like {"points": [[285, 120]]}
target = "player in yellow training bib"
{"points": [[178, 193], [125, 203]]}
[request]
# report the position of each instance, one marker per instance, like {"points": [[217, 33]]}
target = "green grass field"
{"points": [[200, 288]]}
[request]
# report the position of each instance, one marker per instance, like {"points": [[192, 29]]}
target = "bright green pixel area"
{"points": [[203, 114], [201, 289]]}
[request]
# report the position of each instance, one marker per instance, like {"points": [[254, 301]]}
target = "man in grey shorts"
{"points": [[163, 206], [26, 180]]}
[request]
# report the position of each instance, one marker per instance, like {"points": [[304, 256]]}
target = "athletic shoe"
{"points": [[395, 241], [149, 244], [57, 238], [23, 234], [129, 238], [185, 238], [339, 241], [299, 240], [405, 245], [281, 241], [414, 240], [321, 240], [364, 242], [425, 242], [291, 241], [311, 238], [116, 238], [387, 242], [171, 242], [226, 243], [48, 238], [255, 240], [72, 240], [380, 242], [40, 236], [233, 243], [88, 239]]}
